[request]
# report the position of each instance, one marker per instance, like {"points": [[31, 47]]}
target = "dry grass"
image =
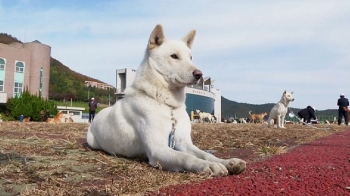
{"points": [[269, 150], [52, 159]]}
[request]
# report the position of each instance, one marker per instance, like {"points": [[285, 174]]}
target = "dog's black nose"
{"points": [[197, 74]]}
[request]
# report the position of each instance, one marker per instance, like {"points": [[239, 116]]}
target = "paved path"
{"points": [[317, 168]]}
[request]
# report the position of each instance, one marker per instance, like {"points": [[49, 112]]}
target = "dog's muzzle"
{"points": [[197, 74]]}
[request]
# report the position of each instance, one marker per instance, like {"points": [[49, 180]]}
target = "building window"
{"points": [[19, 67], [1, 86], [18, 88], [2, 64]]}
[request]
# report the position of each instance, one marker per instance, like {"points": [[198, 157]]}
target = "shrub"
{"points": [[29, 105]]}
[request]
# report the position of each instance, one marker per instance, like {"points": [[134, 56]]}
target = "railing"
{"points": [[119, 90], [200, 87]]}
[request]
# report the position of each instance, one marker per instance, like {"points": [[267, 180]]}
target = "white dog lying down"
{"points": [[279, 111], [151, 119]]}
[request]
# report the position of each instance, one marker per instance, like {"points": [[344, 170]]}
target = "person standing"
{"points": [[343, 110], [92, 109]]}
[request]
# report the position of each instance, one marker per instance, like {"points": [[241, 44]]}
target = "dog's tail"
{"points": [[250, 112]]}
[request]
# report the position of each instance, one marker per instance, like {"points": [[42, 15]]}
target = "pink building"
{"points": [[24, 65], [98, 85]]}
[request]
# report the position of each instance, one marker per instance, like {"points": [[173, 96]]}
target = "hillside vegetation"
{"points": [[66, 84]]}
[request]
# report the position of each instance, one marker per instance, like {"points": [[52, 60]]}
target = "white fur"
{"points": [[279, 111], [242, 120], [65, 118], [213, 119], [140, 123]]}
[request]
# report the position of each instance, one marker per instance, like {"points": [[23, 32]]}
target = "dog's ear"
{"points": [[284, 92], [157, 37], [189, 38]]}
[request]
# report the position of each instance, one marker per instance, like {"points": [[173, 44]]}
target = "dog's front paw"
{"points": [[235, 166], [215, 169]]}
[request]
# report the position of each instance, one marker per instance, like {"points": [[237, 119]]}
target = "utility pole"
{"points": [[89, 92], [109, 96]]}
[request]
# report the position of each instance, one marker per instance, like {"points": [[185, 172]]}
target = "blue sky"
{"points": [[253, 50]]}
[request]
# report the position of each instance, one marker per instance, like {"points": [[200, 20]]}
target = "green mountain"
{"points": [[231, 108]]}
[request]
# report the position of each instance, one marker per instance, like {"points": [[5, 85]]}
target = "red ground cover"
{"points": [[317, 168]]}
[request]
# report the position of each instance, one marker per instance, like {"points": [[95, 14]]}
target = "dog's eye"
{"points": [[174, 56], [191, 58]]}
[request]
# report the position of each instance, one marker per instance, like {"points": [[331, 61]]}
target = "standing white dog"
{"points": [[279, 111], [151, 120], [205, 115]]}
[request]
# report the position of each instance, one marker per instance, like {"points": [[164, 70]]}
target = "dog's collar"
{"points": [[286, 105], [171, 139]]}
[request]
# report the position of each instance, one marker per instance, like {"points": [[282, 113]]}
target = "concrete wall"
{"points": [[40, 58], [33, 55], [13, 54], [217, 104]]}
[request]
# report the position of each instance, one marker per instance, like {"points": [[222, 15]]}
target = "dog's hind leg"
{"points": [[91, 140], [270, 122]]}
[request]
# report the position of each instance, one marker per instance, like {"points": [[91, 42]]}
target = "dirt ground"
{"points": [[53, 159]]}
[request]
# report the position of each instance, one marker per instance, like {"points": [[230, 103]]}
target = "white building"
{"points": [[76, 111], [202, 96]]}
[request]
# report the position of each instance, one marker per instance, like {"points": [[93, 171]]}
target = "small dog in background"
{"points": [[255, 117], [60, 118], [335, 120], [279, 111], [27, 119], [203, 116]]}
